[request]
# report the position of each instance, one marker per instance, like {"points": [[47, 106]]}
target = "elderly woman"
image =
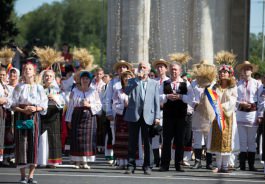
{"points": [[51, 122], [29, 100], [83, 106]]}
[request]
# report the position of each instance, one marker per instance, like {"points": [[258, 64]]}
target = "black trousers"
{"points": [[134, 128], [188, 132], [173, 127]]}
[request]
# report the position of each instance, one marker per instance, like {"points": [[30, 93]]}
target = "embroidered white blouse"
{"points": [[31, 94], [56, 92], [76, 99]]}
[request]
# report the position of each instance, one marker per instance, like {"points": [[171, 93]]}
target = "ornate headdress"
{"points": [[84, 58], [47, 56], [226, 61]]}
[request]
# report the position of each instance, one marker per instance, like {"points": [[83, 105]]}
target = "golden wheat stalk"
{"points": [[182, 58], [84, 57], [47, 56]]}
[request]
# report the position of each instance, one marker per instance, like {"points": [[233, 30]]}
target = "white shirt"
{"points": [[186, 98], [31, 94]]}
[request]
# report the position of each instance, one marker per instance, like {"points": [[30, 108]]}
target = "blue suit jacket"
{"points": [[151, 107]]}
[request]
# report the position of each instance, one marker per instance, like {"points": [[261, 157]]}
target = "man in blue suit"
{"points": [[142, 112]]}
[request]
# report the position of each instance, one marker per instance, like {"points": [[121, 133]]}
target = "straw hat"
{"points": [[247, 63], [122, 63], [160, 61]]}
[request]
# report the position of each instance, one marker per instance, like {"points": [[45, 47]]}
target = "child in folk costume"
{"points": [[223, 136], [28, 101], [83, 106]]}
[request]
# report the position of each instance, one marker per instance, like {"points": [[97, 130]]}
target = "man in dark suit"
{"points": [[142, 112], [177, 94]]}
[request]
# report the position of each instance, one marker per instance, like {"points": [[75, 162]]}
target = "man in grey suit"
{"points": [[142, 112]]}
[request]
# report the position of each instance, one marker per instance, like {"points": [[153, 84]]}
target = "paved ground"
{"points": [[102, 172]]}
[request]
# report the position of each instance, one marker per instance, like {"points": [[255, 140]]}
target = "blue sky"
{"points": [[24, 6]]}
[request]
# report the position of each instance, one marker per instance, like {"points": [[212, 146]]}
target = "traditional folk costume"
{"points": [[9, 144], [99, 86], [84, 124], [6, 55], [122, 134], [250, 92], [51, 125], [113, 85], [174, 114], [157, 140], [205, 75], [262, 141], [27, 139], [223, 136], [6, 136]]}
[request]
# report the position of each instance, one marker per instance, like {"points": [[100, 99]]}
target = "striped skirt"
{"points": [[27, 141], [51, 123], [83, 134], [121, 138]]}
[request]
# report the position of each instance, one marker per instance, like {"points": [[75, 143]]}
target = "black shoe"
{"points": [[31, 181], [163, 169], [179, 168], [129, 171], [147, 171], [252, 168], [209, 166], [197, 165], [251, 161]]}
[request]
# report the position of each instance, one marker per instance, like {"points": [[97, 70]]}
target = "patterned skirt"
{"points": [[83, 133], [9, 144], [51, 123], [121, 138], [27, 141]]}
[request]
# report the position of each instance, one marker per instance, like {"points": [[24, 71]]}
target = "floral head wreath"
{"points": [[226, 61]]}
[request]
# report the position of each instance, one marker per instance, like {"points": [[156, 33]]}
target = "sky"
{"points": [[24, 6]]}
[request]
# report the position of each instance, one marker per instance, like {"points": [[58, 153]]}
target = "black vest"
{"points": [[178, 107]]}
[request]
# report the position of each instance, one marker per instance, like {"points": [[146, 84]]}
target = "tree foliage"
{"points": [[80, 23], [8, 28], [255, 51]]}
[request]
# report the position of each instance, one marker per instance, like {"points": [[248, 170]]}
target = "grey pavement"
{"points": [[102, 172]]}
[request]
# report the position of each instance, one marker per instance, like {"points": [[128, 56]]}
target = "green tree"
{"points": [[8, 28], [76, 22], [255, 51]]}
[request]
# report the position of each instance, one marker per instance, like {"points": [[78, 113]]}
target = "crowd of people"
{"points": [[147, 117]]}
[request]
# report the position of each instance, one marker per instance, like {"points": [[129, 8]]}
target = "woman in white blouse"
{"points": [[84, 104], [51, 122], [29, 99]]}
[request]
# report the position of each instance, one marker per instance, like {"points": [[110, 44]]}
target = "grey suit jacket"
{"points": [[151, 107]]}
